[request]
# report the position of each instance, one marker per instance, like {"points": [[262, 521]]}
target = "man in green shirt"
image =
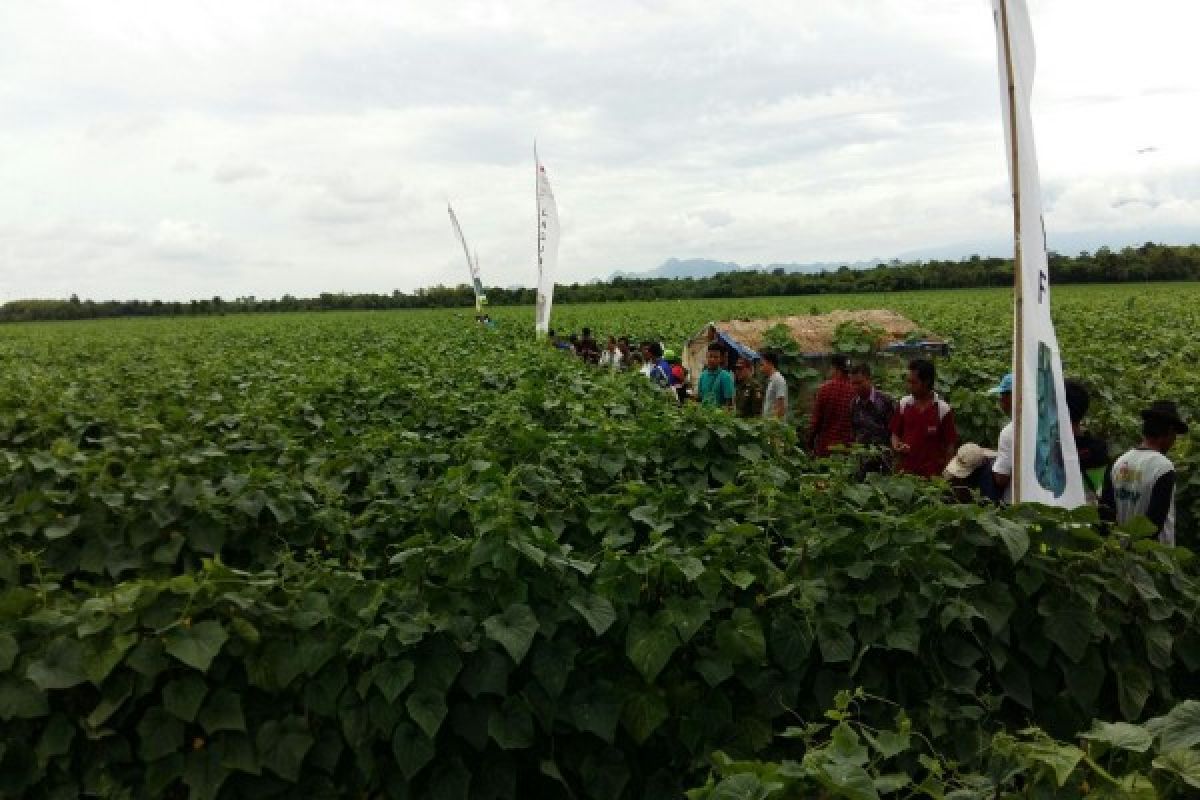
{"points": [[715, 386], [748, 399]]}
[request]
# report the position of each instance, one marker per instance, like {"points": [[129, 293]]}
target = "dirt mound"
{"points": [[814, 334]]}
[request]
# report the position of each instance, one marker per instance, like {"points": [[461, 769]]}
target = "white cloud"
{"points": [[176, 149], [239, 173]]}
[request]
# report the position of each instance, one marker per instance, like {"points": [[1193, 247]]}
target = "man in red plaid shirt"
{"points": [[831, 414]]}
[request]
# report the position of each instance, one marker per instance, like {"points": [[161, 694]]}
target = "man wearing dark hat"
{"points": [[748, 396], [1142, 482]]}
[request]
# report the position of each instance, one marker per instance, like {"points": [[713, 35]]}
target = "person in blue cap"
{"points": [[1002, 467]]}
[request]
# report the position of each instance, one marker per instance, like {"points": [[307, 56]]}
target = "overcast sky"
{"points": [[185, 149]]}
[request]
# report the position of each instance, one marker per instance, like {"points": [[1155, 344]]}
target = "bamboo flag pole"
{"points": [[1018, 290], [537, 196]]}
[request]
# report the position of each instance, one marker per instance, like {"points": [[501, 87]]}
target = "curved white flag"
{"points": [[547, 222], [472, 265], [1045, 461]]}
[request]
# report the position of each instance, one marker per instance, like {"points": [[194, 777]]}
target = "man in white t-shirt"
{"points": [[1141, 483], [775, 395], [1002, 467]]}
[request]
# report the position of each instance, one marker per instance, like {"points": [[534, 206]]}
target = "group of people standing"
{"points": [[917, 434], [741, 390]]}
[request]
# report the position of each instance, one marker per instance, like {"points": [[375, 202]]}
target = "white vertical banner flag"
{"points": [[1045, 461], [472, 266], [547, 227]]}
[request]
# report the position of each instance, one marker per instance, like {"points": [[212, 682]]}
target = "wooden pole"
{"points": [[1018, 284], [537, 198]]}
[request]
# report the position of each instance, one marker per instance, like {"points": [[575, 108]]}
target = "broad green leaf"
{"points": [[514, 630], [1062, 758], [282, 746], [1070, 629], [687, 615], [21, 699], [486, 673], [552, 663], [643, 713], [236, 752], [182, 697], [450, 781], [596, 610], [890, 743], [743, 786], [1159, 643], [204, 774], [1185, 764], [691, 567], [245, 630], [511, 727], [790, 641], [1011, 533], [1121, 735], [222, 712], [1134, 685], [605, 773], [393, 677], [196, 645], [8, 652], [427, 707], [438, 664], [61, 527], [160, 734], [649, 644], [904, 634], [112, 696], [891, 783], [1014, 679], [714, 670], [850, 781], [740, 638], [103, 653], [596, 709], [60, 667], [470, 722], [56, 739], [1179, 728], [837, 645], [412, 749]]}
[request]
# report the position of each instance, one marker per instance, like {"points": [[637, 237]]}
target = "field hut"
{"points": [[898, 338]]}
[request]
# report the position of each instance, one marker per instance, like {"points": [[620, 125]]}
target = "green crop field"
{"points": [[396, 554]]}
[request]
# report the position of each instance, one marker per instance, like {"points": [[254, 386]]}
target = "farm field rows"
{"points": [[398, 555]]}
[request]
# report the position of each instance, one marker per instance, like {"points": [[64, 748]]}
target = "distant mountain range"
{"points": [[1069, 243], [674, 268]]}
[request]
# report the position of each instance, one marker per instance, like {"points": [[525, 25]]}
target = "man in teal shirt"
{"points": [[715, 386]]}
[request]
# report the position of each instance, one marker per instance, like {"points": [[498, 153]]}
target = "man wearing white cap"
{"points": [[967, 472], [1002, 467]]}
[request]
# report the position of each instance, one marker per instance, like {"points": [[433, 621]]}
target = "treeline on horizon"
{"points": [[1150, 262]]}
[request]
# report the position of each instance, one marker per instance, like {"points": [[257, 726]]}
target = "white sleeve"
{"points": [[1004, 452]]}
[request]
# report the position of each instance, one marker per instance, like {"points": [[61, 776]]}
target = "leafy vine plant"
{"points": [[844, 757], [853, 337]]}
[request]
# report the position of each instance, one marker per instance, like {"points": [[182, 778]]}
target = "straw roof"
{"points": [[814, 334]]}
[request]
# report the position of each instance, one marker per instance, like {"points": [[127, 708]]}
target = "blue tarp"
{"points": [[735, 345]]}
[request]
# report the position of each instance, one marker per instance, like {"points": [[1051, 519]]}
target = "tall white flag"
{"points": [[1045, 461], [472, 265], [547, 212]]}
